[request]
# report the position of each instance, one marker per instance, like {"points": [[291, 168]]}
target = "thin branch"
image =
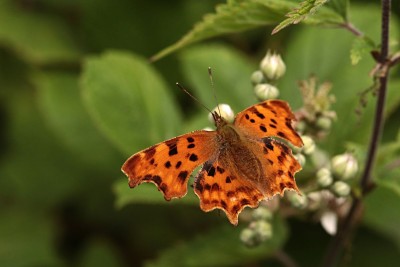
{"points": [[378, 122], [285, 259], [351, 28], [336, 245]]}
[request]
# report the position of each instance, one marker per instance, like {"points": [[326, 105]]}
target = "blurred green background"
{"points": [[78, 96]]}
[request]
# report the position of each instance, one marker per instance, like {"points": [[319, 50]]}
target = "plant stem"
{"points": [[352, 29], [285, 259], [336, 245]]}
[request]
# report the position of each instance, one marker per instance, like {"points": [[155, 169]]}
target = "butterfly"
{"points": [[243, 162]]}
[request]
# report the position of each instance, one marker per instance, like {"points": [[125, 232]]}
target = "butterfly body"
{"points": [[241, 163]]}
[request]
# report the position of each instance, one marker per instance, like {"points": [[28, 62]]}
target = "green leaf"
{"points": [[231, 75], [99, 252], [387, 171], [340, 6], [361, 47], [128, 100], [36, 169], [37, 38], [237, 16], [304, 10], [221, 247], [26, 239], [146, 194], [382, 214], [60, 100]]}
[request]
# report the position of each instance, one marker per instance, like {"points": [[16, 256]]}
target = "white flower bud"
{"points": [[309, 145], [324, 123], [208, 129], [265, 91], [301, 126], [345, 166], [324, 177], [329, 221], [226, 113], [273, 66], [247, 236], [341, 189], [300, 158], [262, 229], [262, 213], [298, 201], [257, 77]]}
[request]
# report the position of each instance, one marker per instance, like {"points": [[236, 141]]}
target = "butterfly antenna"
{"points": [[194, 98], [212, 85]]}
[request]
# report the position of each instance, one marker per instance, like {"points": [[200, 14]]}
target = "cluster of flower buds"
{"points": [[331, 197], [342, 168], [259, 229], [264, 80], [316, 116]]}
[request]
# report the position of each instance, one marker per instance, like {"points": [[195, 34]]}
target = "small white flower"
{"points": [[324, 123], [300, 158], [262, 213], [329, 222], [257, 77], [324, 177], [297, 201], [309, 145], [273, 66], [341, 189], [345, 166], [265, 91]]}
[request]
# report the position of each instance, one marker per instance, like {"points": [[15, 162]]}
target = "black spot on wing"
{"points": [[149, 153], [178, 164], [182, 176], [263, 128], [220, 170], [193, 157], [281, 134], [173, 149], [268, 144]]}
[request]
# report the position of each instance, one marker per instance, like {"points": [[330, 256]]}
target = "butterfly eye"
{"points": [[223, 111]]}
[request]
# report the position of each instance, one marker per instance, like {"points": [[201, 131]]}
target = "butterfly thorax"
{"points": [[235, 153]]}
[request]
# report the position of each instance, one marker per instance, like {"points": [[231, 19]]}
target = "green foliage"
{"points": [[29, 234], [305, 9], [20, 32], [306, 56], [117, 98], [78, 96], [379, 214], [360, 48], [224, 251], [237, 16]]}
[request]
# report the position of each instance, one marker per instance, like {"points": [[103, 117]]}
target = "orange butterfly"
{"points": [[242, 164]]}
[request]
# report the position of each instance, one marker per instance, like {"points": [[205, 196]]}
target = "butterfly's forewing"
{"points": [[266, 119], [170, 163]]}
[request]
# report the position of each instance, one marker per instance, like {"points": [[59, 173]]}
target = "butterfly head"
{"points": [[221, 115], [218, 119]]}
